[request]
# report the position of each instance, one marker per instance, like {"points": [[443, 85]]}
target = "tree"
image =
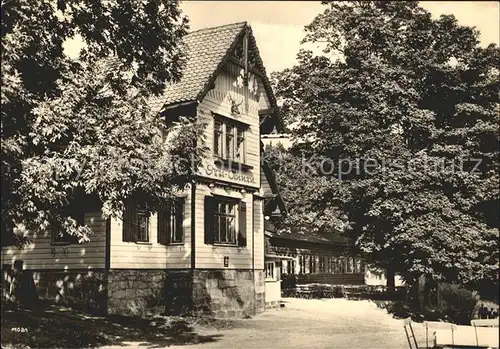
{"points": [[73, 129], [405, 108]]}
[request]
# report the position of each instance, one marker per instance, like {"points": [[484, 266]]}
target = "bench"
{"points": [[485, 322], [482, 333], [438, 325]]}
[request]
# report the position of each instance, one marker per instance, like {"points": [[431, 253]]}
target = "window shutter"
{"points": [[242, 224], [179, 216], [129, 216], [75, 210], [164, 226], [209, 219]]}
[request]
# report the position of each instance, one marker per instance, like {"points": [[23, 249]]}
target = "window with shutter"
{"points": [[225, 221], [64, 238]]}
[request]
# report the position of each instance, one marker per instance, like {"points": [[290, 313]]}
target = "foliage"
{"points": [[87, 127], [456, 304], [288, 281], [403, 109]]}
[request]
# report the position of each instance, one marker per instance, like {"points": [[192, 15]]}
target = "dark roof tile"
{"points": [[206, 49]]}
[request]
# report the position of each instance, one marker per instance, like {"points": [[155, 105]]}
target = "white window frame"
{"points": [[238, 140], [147, 217], [290, 267], [218, 218], [176, 222], [270, 271]]}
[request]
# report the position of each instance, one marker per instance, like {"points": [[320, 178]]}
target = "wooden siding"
{"points": [[218, 100], [258, 233], [152, 255], [40, 254], [273, 290]]}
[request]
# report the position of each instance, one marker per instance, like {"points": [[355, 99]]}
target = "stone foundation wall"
{"points": [[80, 289], [136, 292], [260, 291], [224, 293], [86, 290], [179, 290], [142, 292]]}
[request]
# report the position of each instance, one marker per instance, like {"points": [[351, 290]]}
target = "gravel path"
{"points": [[309, 324]]}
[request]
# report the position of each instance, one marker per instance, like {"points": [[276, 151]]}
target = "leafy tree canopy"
{"points": [[73, 129], [405, 108]]}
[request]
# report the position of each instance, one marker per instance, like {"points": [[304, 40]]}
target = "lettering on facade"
{"points": [[228, 175]]}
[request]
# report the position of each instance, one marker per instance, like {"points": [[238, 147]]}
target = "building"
{"points": [[275, 138], [205, 254], [274, 208], [314, 258]]}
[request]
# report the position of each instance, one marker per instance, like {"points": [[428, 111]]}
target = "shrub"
{"points": [[456, 304], [288, 281]]}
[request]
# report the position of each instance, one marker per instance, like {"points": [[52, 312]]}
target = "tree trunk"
{"points": [[391, 285]]}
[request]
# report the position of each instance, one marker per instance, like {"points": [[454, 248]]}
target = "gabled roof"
{"points": [[207, 51]]}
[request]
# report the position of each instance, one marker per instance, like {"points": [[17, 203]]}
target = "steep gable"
{"points": [[208, 51]]}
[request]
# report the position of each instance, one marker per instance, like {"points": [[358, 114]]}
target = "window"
{"points": [[349, 265], [230, 144], [269, 271], [338, 265], [170, 223], [240, 145], [135, 224], [358, 267], [341, 265], [142, 226], [229, 140], [218, 144], [334, 265], [63, 237], [290, 267], [302, 264], [312, 264], [322, 264], [225, 221]]}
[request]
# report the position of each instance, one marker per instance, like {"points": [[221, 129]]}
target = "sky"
{"points": [[278, 25]]}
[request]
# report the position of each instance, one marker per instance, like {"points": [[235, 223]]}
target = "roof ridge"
{"points": [[218, 27]]}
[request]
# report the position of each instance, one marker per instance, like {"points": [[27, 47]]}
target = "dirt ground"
{"points": [[308, 324]]}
